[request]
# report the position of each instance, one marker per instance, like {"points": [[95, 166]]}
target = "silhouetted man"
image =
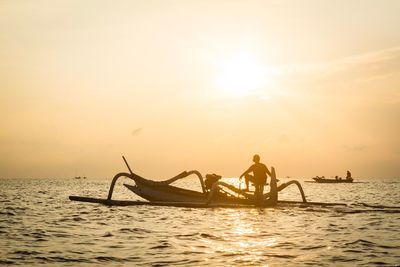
{"points": [[259, 177]]}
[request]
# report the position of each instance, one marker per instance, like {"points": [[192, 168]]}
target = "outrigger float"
{"points": [[214, 193]]}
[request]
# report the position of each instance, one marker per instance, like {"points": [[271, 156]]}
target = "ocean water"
{"points": [[39, 225]]}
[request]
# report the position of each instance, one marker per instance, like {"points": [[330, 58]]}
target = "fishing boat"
{"points": [[214, 193], [335, 180]]}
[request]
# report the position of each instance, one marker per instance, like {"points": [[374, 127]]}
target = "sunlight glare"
{"points": [[241, 76]]}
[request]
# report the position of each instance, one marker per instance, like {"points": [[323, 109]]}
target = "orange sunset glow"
{"points": [[311, 86], [200, 133]]}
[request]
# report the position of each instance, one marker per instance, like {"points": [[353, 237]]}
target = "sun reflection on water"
{"points": [[246, 238]]}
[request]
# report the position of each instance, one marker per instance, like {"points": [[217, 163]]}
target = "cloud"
{"points": [[137, 131]]}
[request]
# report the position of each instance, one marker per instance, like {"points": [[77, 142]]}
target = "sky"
{"points": [[313, 87]]}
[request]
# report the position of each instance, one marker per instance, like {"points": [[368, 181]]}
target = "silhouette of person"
{"points": [[259, 177], [348, 175]]}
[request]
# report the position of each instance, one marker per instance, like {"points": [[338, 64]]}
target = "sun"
{"points": [[241, 75]]}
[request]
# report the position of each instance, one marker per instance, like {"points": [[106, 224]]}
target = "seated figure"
{"points": [[210, 180]]}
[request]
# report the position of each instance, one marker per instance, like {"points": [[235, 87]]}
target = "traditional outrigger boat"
{"points": [[214, 193]]}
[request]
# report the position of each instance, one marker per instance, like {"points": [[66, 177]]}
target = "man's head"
{"points": [[256, 158]]}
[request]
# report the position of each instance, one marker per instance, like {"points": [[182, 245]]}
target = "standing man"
{"points": [[259, 177]]}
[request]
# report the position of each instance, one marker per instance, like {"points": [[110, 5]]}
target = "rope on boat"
{"points": [[217, 185]]}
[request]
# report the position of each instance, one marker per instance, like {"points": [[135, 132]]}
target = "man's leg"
{"points": [[248, 178], [259, 193]]}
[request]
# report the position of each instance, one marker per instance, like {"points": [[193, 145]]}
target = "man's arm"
{"points": [[247, 171]]}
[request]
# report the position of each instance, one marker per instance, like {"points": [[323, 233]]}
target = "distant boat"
{"points": [[332, 181], [79, 177]]}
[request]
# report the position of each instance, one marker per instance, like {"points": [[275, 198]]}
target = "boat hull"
{"points": [[168, 193], [331, 181]]}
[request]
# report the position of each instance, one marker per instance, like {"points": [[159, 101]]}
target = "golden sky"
{"points": [[311, 86]]}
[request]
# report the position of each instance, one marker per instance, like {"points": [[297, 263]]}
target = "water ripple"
{"points": [[40, 226]]}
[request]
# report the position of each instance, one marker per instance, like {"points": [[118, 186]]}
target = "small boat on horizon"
{"points": [[337, 179]]}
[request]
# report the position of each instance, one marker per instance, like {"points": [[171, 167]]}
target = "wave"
{"points": [[362, 242], [108, 234], [174, 262], [313, 247], [62, 259], [379, 206], [8, 262], [209, 236], [111, 258], [350, 211], [8, 213], [367, 243], [134, 230], [162, 246], [283, 256], [285, 244], [26, 252]]}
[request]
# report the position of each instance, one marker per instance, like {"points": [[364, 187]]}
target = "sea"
{"points": [[40, 226]]}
